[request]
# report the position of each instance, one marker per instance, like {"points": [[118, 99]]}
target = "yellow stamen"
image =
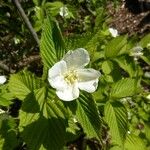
{"points": [[71, 77]]}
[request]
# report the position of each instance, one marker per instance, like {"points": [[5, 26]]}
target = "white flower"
{"points": [[148, 96], [69, 75], [16, 40], [2, 111], [136, 52], [113, 32], [2, 79], [63, 11], [129, 132]]}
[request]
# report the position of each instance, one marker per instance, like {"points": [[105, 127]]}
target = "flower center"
{"points": [[71, 77]]}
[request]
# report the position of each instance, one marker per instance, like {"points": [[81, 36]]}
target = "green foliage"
{"points": [[48, 52], [115, 46], [127, 64], [5, 96], [88, 116], [23, 83], [134, 142], [53, 8], [8, 132], [47, 117], [52, 46], [124, 88], [145, 41], [107, 67], [116, 117]]}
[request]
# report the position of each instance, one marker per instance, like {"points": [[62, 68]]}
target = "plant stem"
{"points": [[26, 20]]}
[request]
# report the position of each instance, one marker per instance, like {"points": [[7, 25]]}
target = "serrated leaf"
{"points": [[88, 116], [116, 148], [115, 46], [127, 64], [8, 133], [147, 131], [115, 115], [58, 41], [145, 41], [123, 88], [134, 142], [5, 98], [36, 2], [4, 101], [45, 129], [107, 67], [75, 41], [53, 8], [23, 83], [47, 47], [52, 44]]}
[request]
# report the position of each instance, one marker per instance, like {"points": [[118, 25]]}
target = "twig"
{"points": [[6, 68], [20, 64], [26, 20], [27, 61]]}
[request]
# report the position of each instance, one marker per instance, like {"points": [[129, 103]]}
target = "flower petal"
{"points": [[113, 32], [88, 79], [55, 75], [2, 79], [77, 58], [58, 69], [63, 11], [69, 93], [58, 82], [87, 74], [88, 86]]}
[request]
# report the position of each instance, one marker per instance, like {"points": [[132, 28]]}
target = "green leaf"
{"points": [[47, 47], [36, 2], [107, 67], [134, 142], [123, 88], [53, 8], [88, 116], [8, 133], [115, 115], [76, 41], [43, 126], [22, 83], [127, 64], [115, 46], [39, 14], [58, 41], [4, 101], [116, 148], [145, 41], [147, 131], [5, 96], [52, 44]]}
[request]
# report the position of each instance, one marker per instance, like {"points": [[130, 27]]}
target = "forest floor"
{"points": [[130, 19]]}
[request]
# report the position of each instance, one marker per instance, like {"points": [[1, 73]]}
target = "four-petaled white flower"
{"points": [[63, 11], [2, 79], [113, 32], [69, 75]]}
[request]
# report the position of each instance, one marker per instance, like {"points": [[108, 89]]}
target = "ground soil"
{"points": [[130, 18]]}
